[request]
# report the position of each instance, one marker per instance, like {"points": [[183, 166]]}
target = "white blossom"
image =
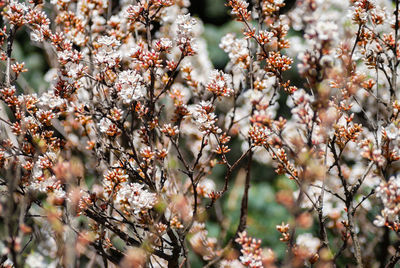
{"points": [[308, 242], [137, 198]]}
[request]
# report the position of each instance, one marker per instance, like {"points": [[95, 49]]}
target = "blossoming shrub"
{"points": [[115, 163]]}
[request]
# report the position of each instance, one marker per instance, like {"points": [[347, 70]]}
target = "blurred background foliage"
{"points": [[217, 23]]}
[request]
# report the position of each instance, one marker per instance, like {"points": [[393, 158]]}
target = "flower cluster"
{"points": [[251, 252], [389, 193], [133, 197], [185, 34], [220, 84]]}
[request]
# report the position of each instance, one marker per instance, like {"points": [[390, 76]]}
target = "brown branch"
{"points": [[394, 259], [245, 198]]}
